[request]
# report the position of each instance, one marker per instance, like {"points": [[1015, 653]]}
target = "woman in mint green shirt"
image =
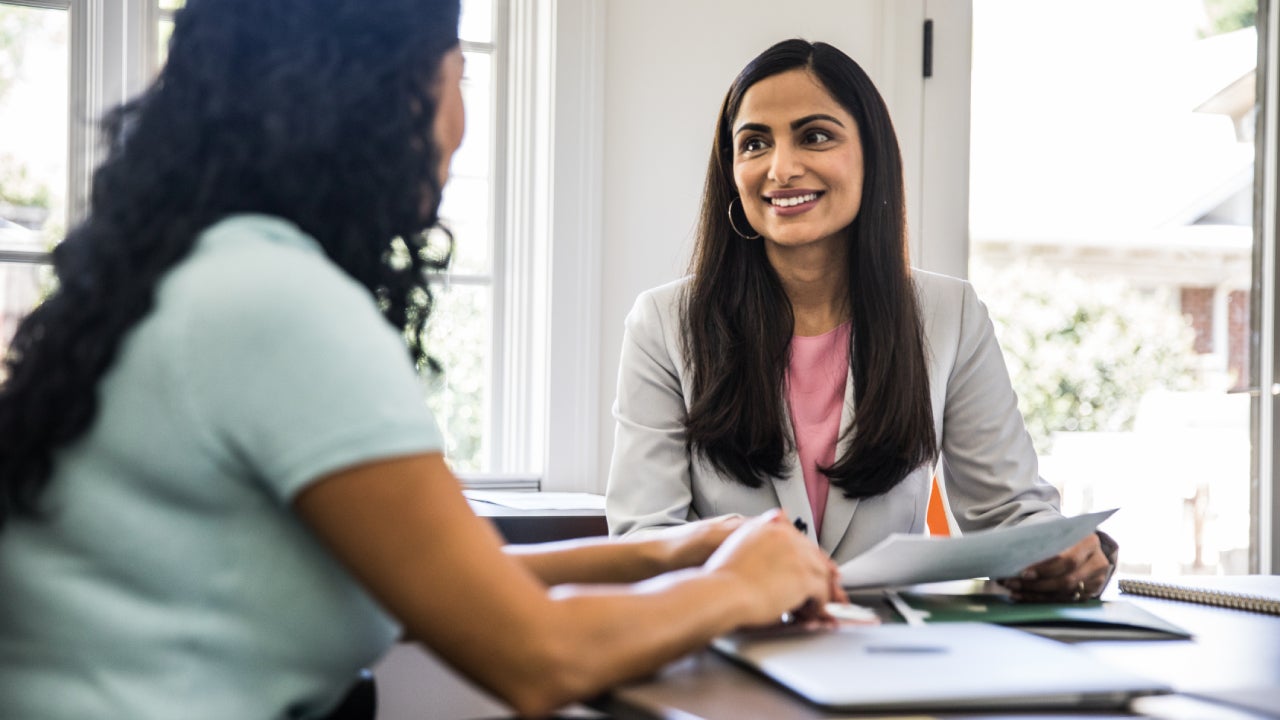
{"points": [[220, 492]]}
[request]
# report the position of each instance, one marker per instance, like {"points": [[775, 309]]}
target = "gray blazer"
{"points": [[990, 467]]}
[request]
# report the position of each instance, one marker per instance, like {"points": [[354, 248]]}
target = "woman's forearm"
{"points": [[404, 529], [603, 560], [593, 560]]}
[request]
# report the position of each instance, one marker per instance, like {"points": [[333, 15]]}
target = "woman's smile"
{"points": [[786, 203]]}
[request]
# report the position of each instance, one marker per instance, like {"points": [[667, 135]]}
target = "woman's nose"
{"points": [[786, 165]]}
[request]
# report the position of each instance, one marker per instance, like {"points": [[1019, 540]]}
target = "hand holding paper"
{"points": [[902, 559]]}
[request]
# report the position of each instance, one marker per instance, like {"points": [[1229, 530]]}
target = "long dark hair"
{"points": [[739, 321], [317, 111]]}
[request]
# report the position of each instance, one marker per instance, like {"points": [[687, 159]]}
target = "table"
{"points": [[534, 526], [1229, 671]]}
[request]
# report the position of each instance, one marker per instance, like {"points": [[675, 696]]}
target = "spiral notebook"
{"points": [[1256, 593]]}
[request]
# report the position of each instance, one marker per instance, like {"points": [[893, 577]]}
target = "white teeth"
{"points": [[793, 201]]}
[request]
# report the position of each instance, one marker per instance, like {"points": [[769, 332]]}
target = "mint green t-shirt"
{"points": [[170, 577]]}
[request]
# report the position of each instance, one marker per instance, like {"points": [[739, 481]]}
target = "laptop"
{"points": [[947, 666]]}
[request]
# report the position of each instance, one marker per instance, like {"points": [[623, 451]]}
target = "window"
{"points": [[34, 109], [463, 326], [62, 63], [521, 355], [1112, 235]]}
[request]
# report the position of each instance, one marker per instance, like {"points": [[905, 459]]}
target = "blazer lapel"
{"points": [[839, 511], [792, 496]]}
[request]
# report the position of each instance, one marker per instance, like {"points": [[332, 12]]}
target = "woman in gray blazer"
{"points": [[803, 363]]}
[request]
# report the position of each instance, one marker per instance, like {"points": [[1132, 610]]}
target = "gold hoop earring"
{"points": [[734, 225]]}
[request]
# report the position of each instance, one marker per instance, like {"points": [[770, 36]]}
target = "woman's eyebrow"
{"points": [[756, 127], [797, 124]]}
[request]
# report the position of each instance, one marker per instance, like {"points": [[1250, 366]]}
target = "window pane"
{"points": [[475, 154], [22, 285], [1112, 239], [458, 335], [476, 24], [465, 210], [164, 28], [467, 205], [164, 32], [34, 107]]}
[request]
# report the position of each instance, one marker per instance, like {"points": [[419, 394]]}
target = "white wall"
{"points": [[667, 66]]}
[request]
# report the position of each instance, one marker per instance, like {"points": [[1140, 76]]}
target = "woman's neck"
{"points": [[815, 281]]}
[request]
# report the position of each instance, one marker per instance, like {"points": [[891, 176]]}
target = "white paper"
{"points": [[538, 500], [902, 559]]}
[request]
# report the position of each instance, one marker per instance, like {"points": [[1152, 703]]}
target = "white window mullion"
{"points": [[550, 355], [86, 85], [519, 425], [499, 171], [112, 59], [1267, 430], [573, 366]]}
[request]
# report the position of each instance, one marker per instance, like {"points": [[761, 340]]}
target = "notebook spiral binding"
{"points": [[1202, 595]]}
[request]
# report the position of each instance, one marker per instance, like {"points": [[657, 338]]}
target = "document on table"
{"points": [[523, 500], [903, 559]]}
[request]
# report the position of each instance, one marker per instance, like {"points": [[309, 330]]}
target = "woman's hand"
{"points": [[1078, 573], [690, 545], [780, 569]]}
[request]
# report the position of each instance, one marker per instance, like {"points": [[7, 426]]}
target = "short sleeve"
{"points": [[289, 370]]}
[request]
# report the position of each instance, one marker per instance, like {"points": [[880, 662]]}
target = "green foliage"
{"points": [[17, 187], [1082, 354], [1228, 15], [15, 24], [458, 337]]}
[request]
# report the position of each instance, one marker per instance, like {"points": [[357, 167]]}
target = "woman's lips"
{"points": [[793, 204]]}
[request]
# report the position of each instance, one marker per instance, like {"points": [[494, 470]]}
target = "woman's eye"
{"points": [[751, 145], [817, 136]]}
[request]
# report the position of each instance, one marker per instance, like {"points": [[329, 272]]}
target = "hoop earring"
{"points": [[734, 225]]}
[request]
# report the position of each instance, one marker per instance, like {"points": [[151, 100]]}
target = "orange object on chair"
{"points": [[936, 515]]}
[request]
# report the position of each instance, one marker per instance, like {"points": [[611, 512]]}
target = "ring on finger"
{"points": [[1079, 593]]}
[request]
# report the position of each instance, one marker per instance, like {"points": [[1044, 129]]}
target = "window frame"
{"points": [[107, 67], [500, 475], [40, 257], [546, 62], [1266, 302], [547, 357]]}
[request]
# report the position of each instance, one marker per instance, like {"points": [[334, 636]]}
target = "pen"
{"points": [[908, 613]]}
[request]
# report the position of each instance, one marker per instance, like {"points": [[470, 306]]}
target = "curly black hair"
{"points": [[317, 111]]}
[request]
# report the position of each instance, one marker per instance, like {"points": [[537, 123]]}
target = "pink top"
{"points": [[816, 375]]}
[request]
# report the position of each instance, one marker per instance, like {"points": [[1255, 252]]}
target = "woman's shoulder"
{"points": [[258, 276], [667, 292], [257, 259], [937, 284], [661, 302], [266, 238], [944, 294]]}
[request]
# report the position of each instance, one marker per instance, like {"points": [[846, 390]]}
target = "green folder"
{"points": [[1089, 620]]}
